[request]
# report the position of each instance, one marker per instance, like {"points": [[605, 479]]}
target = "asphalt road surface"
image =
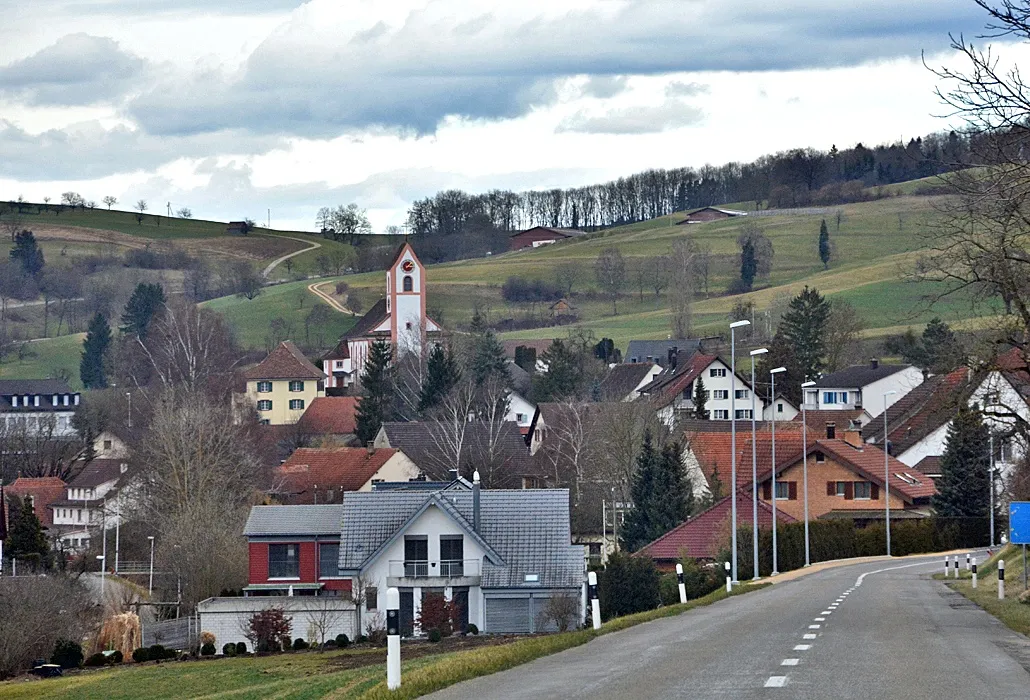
{"points": [[869, 631]]}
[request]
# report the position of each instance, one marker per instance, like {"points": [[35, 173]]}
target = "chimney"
{"points": [[371, 448], [853, 437], [673, 356], [475, 501], [874, 363], [831, 431], [453, 474]]}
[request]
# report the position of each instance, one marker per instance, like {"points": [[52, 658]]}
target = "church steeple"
{"points": [[406, 299]]}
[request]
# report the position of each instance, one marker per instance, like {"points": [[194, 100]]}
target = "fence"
{"points": [[183, 633]]}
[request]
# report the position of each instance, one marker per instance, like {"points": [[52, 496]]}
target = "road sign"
{"points": [[1019, 522]]}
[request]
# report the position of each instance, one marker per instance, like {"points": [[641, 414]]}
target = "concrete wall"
{"points": [[226, 618]]}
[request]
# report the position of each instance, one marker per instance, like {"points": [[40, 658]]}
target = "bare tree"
{"points": [[567, 274], [12, 223], [660, 270], [110, 201], [610, 269], [566, 451], [185, 213], [449, 429], [562, 610], [141, 207], [843, 327], [703, 266], [682, 264], [324, 614]]}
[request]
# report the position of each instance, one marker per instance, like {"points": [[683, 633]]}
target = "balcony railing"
{"points": [[446, 568]]}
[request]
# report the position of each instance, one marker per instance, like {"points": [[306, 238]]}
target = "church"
{"points": [[400, 318]]}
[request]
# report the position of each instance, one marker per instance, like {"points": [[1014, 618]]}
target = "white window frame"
{"points": [[721, 414], [264, 405], [264, 387], [296, 385], [717, 372], [296, 404]]}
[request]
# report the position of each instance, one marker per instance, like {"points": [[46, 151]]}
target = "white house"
{"points": [[520, 411], [624, 382], [96, 498], [37, 406], [498, 555], [863, 386]]}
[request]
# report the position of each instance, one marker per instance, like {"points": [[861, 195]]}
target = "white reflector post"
{"points": [[393, 638]]}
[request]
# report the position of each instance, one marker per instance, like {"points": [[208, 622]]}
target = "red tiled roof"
{"points": [[712, 450], [666, 387], [922, 411], [285, 362], [707, 533], [330, 415], [344, 468], [868, 462], [44, 491]]}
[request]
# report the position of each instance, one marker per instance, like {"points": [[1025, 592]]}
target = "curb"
{"points": [[837, 563]]}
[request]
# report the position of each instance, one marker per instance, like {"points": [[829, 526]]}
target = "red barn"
{"points": [[541, 235]]}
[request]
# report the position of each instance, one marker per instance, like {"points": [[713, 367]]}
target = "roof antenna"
{"points": [[475, 501]]}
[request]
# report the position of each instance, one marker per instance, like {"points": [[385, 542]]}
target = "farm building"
{"points": [[704, 214], [541, 235]]}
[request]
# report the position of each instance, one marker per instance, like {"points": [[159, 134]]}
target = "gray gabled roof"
{"points": [[858, 376], [526, 531], [285, 521], [658, 350]]}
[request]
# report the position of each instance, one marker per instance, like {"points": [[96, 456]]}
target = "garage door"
{"points": [[507, 615], [540, 621]]}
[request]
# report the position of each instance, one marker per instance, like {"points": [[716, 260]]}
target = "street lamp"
{"points": [[772, 394], [754, 466], [150, 588], [733, 439], [804, 457], [103, 565], [990, 478], [887, 470]]}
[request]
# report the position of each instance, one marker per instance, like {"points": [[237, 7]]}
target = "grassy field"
{"points": [[290, 301], [54, 357]]}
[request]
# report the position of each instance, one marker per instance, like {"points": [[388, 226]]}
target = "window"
{"points": [[863, 490], [721, 394], [264, 387], [520, 417], [283, 561], [720, 414], [717, 372], [328, 559], [407, 283], [779, 407], [339, 364], [782, 491], [371, 598], [842, 488], [843, 396], [296, 404], [829, 397], [452, 554], [107, 444], [820, 457], [264, 405], [296, 385], [416, 556], [742, 394], [743, 414]]}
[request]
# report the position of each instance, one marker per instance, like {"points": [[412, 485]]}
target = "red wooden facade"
{"points": [[308, 561]]}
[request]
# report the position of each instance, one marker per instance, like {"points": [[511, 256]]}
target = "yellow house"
{"points": [[283, 385]]}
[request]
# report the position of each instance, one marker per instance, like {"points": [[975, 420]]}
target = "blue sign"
{"points": [[1019, 522]]}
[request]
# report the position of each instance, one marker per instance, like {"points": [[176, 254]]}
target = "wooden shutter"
{"points": [[849, 490], [831, 488], [874, 492], [767, 491], [792, 490]]}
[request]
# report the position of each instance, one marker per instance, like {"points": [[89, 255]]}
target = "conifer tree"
{"points": [[662, 496], [963, 489], [748, 265], [26, 537], [700, 399], [824, 245], [941, 349], [488, 359], [377, 392], [93, 366], [803, 326], [28, 254], [442, 374], [146, 299], [564, 378]]}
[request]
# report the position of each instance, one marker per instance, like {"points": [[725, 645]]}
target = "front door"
{"points": [[460, 598], [407, 612]]}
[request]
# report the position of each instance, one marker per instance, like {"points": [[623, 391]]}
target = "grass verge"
{"points": [[483, 662], [1009, 611]]}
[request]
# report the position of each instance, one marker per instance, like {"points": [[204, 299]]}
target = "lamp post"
{"points": [[804, 458], [103, 565], [733, 440], [887, 470], [772, 395], [754, 467], [150, 587], [990, 480]]}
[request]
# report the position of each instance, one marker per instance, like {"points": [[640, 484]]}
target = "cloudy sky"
{"points": [[234, 107]]}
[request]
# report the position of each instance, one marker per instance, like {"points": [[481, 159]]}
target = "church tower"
{"points": [[406, 301]]}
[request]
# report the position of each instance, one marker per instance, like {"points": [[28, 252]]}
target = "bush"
{"points": [[341, 288], [434, 635], [562, 611], [361, 639], [207, 638], [437, 613], [158, 652], [329, 644], [517, 289], [140, 655], [116, 658], [268, 628], [473, 629], [628, 585], [207, 649], [229, 649], [241, 648], [97, 659], [342, 640], [299, 644], [67, 654], [287, 643]]}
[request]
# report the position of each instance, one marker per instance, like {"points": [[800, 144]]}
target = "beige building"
{"points": [[283, 385]]}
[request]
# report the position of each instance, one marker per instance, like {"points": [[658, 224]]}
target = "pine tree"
{"points": [[564, 378], [802, 327], [28, 254], [488, 359], [748, 265], [700, 399], [824, 245], [963, 489], [93, 366], [146, 299], [442, 374], [377, 392], [662, 497], [26, 537], [941, 348]]}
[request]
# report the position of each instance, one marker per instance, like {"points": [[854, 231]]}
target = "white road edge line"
{"points": [[789, 662], [860, 579], [776, 682]]}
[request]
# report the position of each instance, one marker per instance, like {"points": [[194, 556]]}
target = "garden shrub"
{"points": [[116, 658], [241, 648], [473, 629], [229, 649], [97, 659], [299, 644], [628, 585], [207, 638], [158, 652], [207, 649], [342, 640], [434, 635], [287, 643], [140, 655], [67, 654], [268, 628]]}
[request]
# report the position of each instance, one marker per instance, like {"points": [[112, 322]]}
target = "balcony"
{"points": [[447, 572]]}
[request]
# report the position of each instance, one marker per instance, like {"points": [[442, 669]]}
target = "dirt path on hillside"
{"points": [[328, 299], [312, 245], [76, 234]]}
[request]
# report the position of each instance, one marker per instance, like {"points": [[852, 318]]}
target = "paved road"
{"points": [[895, 633]]}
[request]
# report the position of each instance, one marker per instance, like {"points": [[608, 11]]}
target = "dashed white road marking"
{"points": [[814, 627], [802, 647], [820, 619], [776, 682], [826, 612], [789, 662], [809, 636]]}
